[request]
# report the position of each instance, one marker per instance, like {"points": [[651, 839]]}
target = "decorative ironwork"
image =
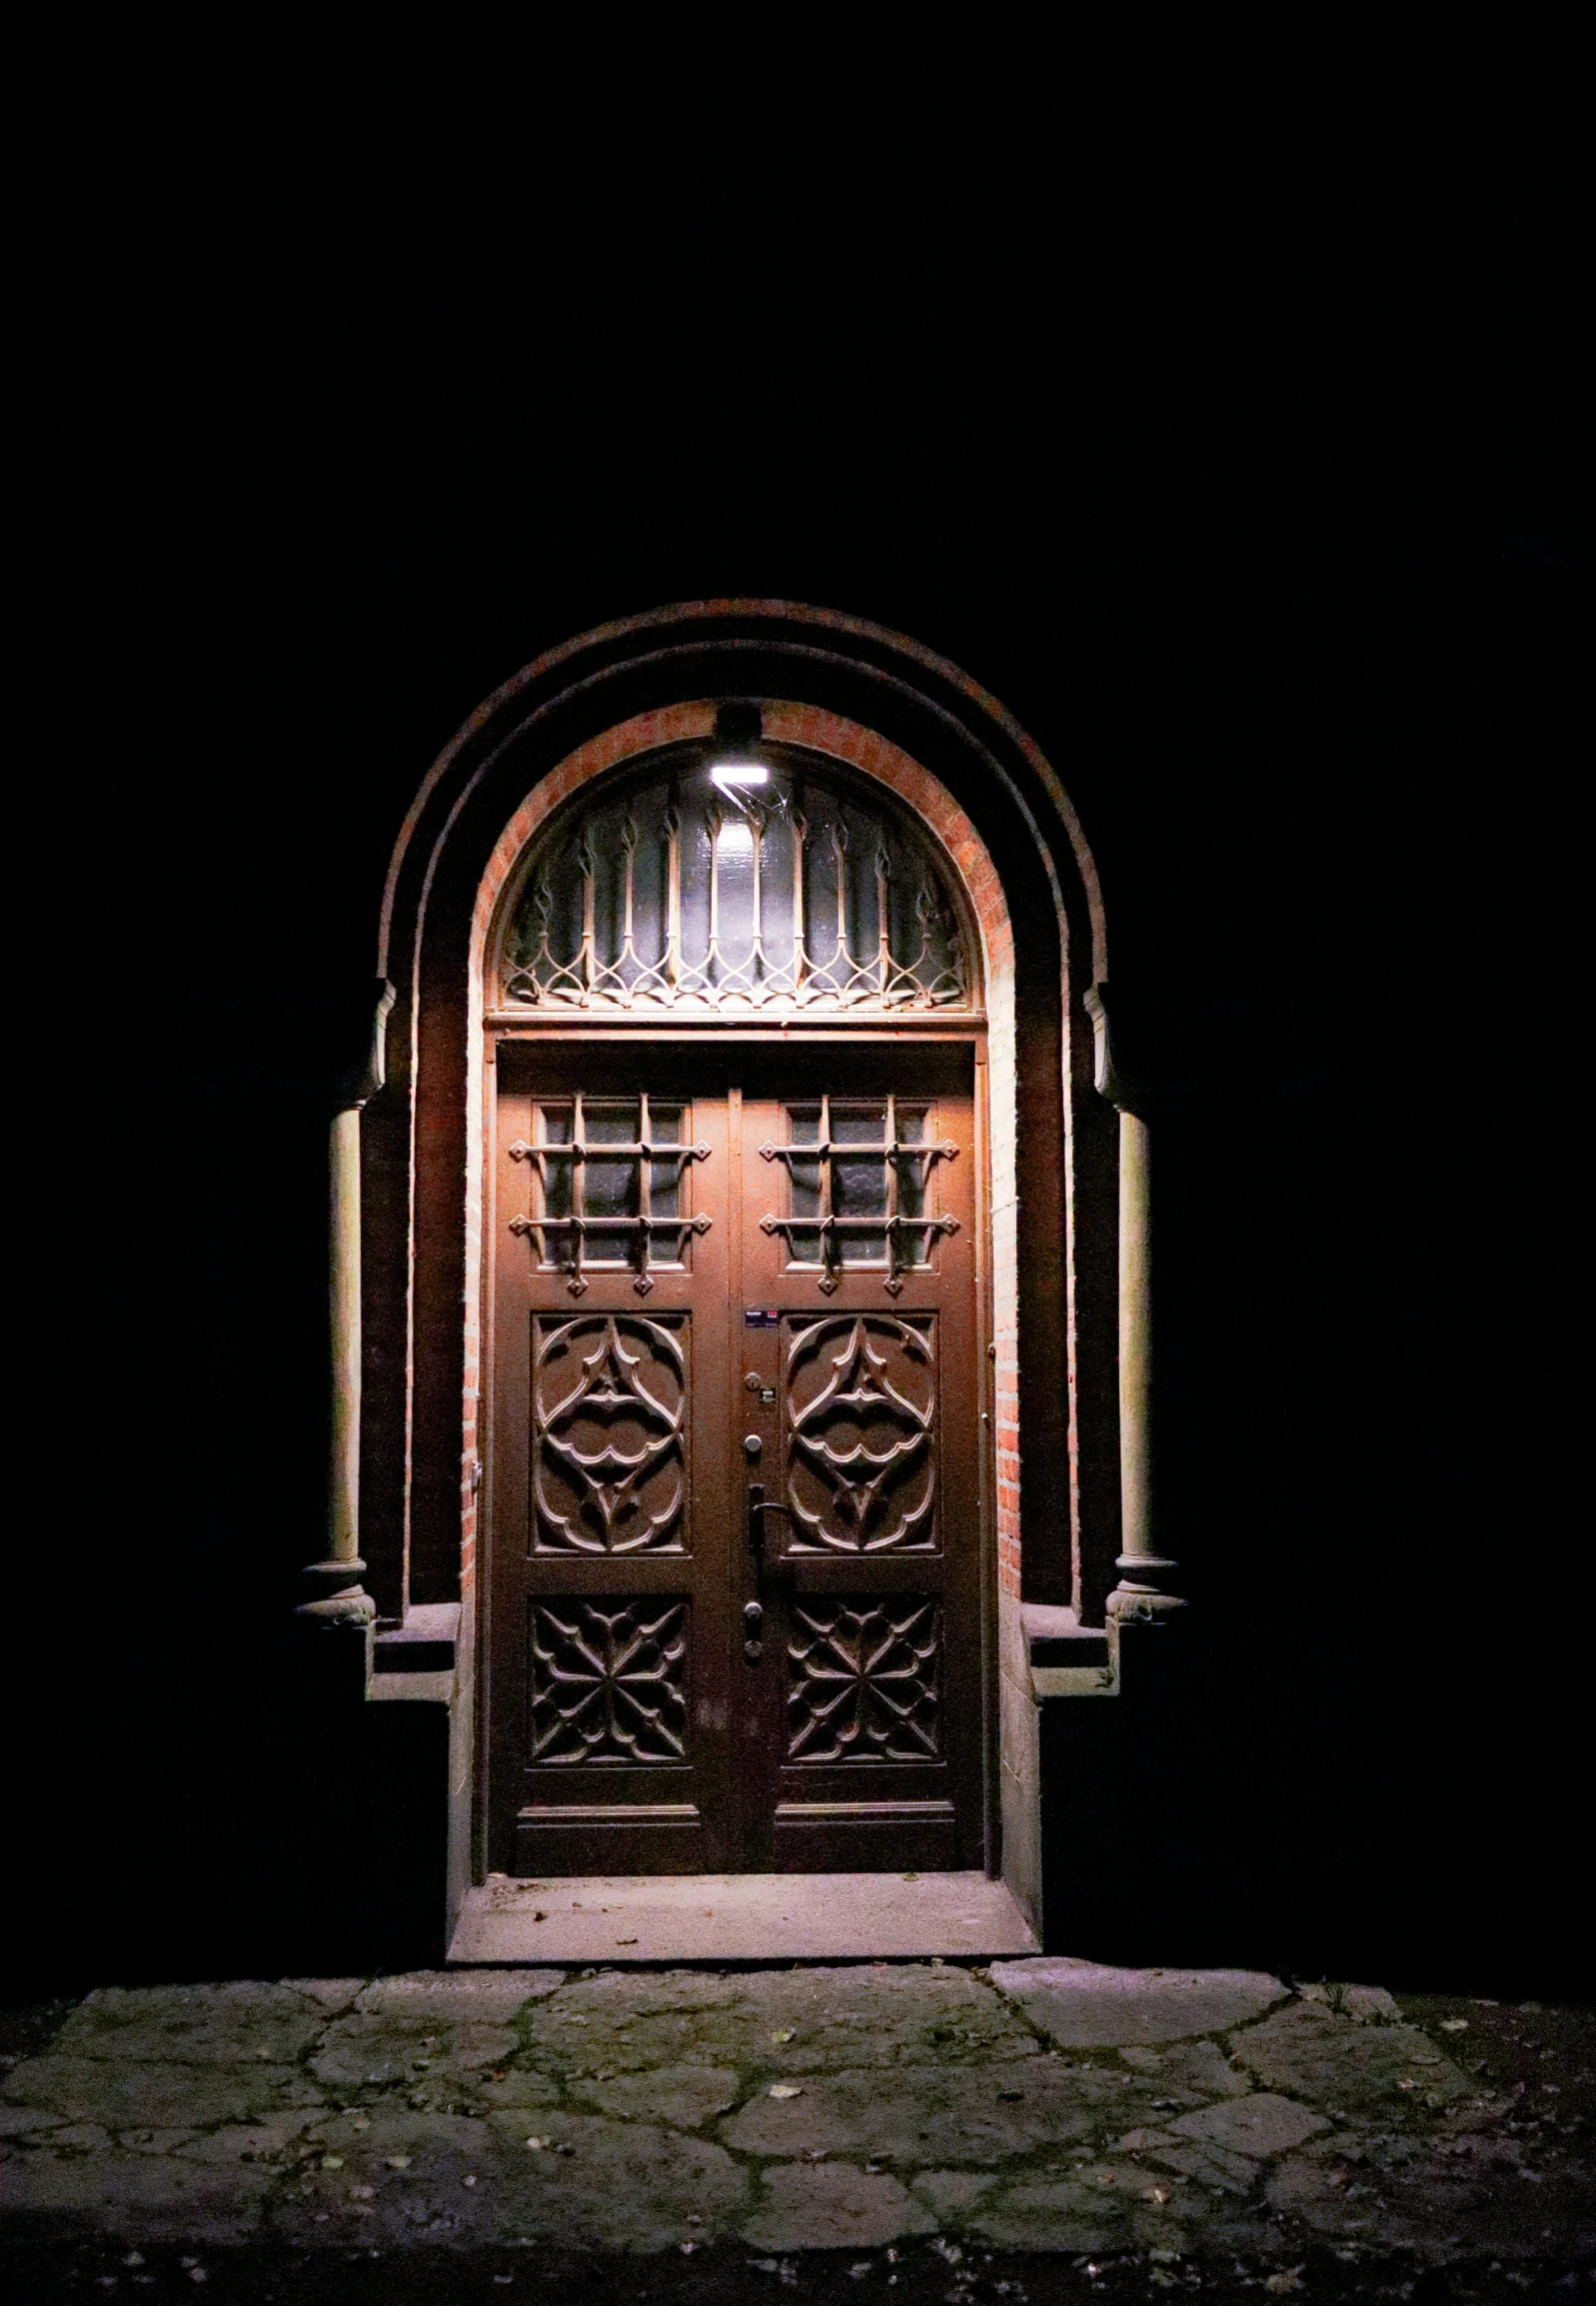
{"points": [[861, 1463], [609, 1409], [857, 1199], [605, 1188], [609, 1681], [814, 894], [865, 1684]]}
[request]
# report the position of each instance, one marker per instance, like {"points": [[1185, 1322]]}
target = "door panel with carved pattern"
{"points": [[734, 1597], [861, 1241], [611, 1522]]}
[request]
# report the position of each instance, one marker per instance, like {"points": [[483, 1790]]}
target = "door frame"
{"points": [[1062, 1292], [968, 1031]]}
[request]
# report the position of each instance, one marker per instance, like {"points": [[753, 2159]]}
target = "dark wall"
{"points": [[1188, 447]]}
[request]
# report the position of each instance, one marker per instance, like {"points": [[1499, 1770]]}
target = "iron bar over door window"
{"points": [[608, 1187], [859, 1188]]}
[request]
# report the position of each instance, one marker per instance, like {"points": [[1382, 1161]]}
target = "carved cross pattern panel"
{"points": [[609, 1435], [608, 1187], [861, 1434], [859, 1188], [609, 1681], [864, 1682]]}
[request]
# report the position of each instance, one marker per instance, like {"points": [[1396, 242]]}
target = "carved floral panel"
{"points": [[864, 1682], [861, 1434], [609, 1681], [609, 1434]]}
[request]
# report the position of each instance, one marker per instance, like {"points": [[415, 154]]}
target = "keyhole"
{"points": [[752, 1447]]}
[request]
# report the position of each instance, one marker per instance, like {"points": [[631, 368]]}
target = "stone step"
{"points": [[765, 1917]]}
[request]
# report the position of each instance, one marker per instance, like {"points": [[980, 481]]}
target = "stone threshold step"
{"points": [[621, 1920]]}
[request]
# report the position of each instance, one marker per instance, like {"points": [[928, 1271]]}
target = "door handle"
{"points": [[758, 1506]]}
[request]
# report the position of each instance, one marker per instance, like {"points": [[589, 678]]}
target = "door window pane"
{"points": [[553, 1181], [805, 1195], [610, 1187], [859, 1182], [665, 1176], [914, 1184]]}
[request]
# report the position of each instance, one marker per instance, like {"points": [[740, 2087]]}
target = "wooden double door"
{"points": [[734, 1484]]}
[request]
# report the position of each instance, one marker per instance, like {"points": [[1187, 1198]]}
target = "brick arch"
{"points": [[848, 634]]}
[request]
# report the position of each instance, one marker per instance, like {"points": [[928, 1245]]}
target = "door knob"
{"points": [[752, 1447]]}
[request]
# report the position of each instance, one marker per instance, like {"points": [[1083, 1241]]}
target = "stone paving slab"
{"points": [[194, 2025], [1169, 2116], [144, 2095], [801, 2020], [488, 1997], [377, 2048], [1312, 2052], [1086, 2005], [1258, 2124], [977, 2114], [832, 2206], [685, 2096]]}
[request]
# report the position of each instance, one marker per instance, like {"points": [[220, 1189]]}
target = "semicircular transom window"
{"points": [[814, 891]]}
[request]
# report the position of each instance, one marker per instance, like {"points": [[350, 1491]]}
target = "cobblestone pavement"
{"points": [[908, 2125]]}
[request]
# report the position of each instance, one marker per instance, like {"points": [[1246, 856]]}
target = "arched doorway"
{"points": [[577, 995], [739, 1449]]}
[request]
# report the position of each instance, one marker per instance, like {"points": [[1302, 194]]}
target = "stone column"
{"points": [[1141, 1592], [337, 1604]]}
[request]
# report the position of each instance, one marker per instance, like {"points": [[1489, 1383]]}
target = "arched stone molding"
{"points": [[891, 710]]}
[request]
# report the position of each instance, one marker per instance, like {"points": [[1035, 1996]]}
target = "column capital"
{"points": [[1113, 1083], [360, 1065]]}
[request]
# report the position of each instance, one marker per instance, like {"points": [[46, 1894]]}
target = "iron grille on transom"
{"points": [[810, 893]]}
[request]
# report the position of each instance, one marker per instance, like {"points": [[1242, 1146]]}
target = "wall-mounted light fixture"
{"points": [[728, 774], [733, 766]]}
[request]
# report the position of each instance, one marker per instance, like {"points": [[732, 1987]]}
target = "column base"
{"points": [[335, 1595], [340, 1624], [1135, 1599]]}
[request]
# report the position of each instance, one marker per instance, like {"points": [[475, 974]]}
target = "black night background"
{"points": [[1232, 446]]}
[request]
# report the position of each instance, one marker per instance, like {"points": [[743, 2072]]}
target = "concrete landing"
{"points": [[740, 1917]]}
